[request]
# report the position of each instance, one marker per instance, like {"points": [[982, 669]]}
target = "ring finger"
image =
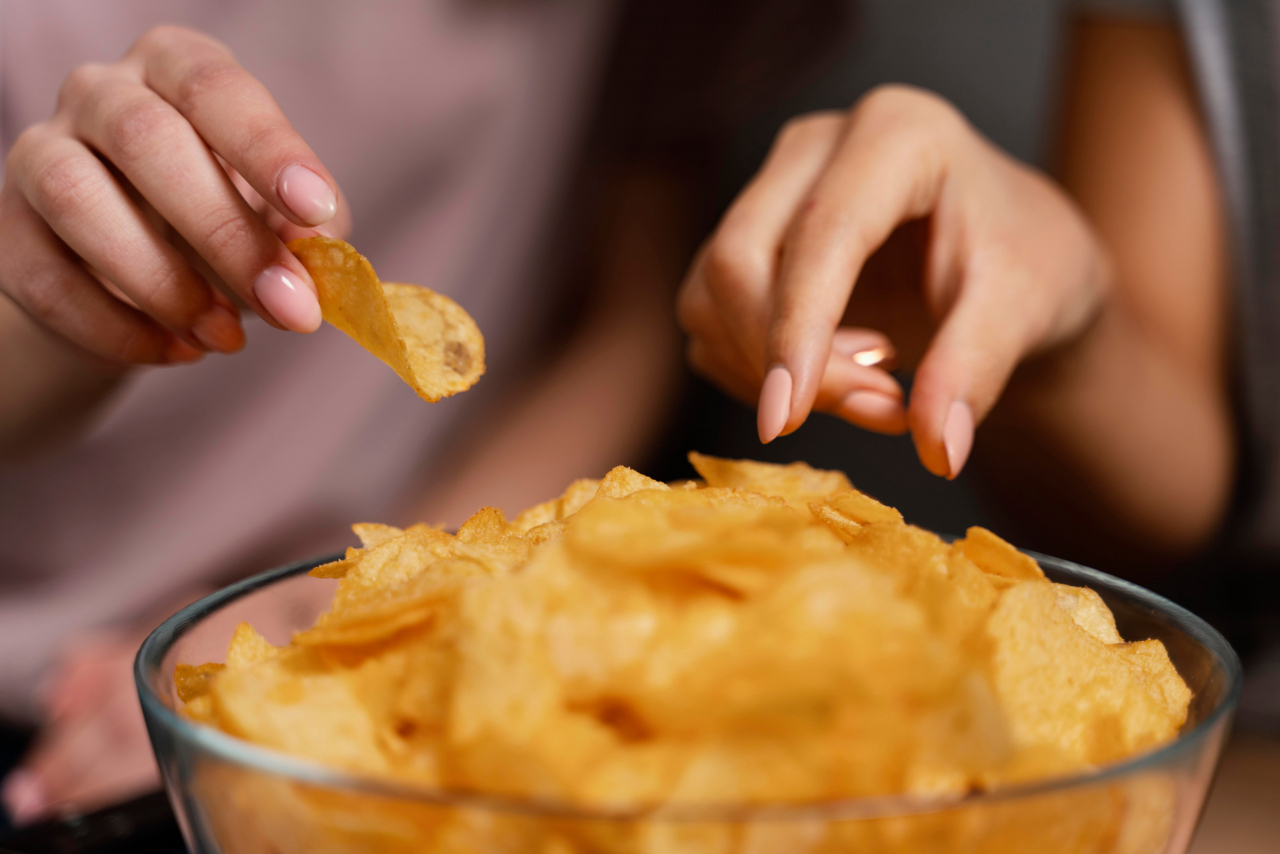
{"points": [[85, 206], [161, 155]]}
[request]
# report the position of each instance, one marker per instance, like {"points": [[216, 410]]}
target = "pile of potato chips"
{"points": [[764, 635]]}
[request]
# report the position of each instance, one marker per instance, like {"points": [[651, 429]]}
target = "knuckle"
{"points": [[690, 308], [43, 293], [917, 115], [805, 129], [732, 267], [24, 146], [134, 127], [138, 344], [62, 188], [226, 234], [165, 37], [79, 84], [163, 294], [204, 77], [265, 139]]}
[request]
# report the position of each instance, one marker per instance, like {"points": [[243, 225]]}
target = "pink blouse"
{"points": [[450, 125]]}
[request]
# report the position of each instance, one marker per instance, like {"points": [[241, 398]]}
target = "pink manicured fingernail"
{"points": [[219, 329], [291, 302], [874, 410], [957, 437], [24, 796], [308, 195], [775, 403]]}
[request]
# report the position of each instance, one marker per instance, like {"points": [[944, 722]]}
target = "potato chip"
{"points": [[372, 534], [1099, 709], [1089, 612], [425, 337], [768, 636], [798, 483], [192, 680], [996, 557]]}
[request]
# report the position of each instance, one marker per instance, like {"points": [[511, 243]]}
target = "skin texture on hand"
{"points": [[148, 161], [140, 218], [1088, 320], [1010, 268]]}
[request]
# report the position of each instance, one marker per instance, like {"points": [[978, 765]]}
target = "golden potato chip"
{"points": [[192, 680], [249, 648], [798, 483], [1089, 612], [426, 338], [486, 525], [370, 614], [622, 481], [1093, 710], [996, 557], [1152, 658], [338, 568], [768, 636], [372, 534], [558, 509], [297, 706], [862, 508]]}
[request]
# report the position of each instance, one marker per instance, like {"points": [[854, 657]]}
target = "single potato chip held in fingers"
{"points": [[426, 338]]}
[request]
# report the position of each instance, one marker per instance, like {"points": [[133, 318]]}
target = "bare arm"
{"points": [[1126, 432]]}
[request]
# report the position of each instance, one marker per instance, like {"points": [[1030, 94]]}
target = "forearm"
{"points": [[1123, 439], [48, 391], [1113, 446]]}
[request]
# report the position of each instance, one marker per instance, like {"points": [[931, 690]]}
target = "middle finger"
{"points": [[163, 157]]}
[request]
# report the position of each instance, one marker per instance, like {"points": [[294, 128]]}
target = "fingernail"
{"points": [[289, 300], [219, 329], [180, 351], [775, 403], [24, 796], [874, 409], [308, 195], [957, 437]]}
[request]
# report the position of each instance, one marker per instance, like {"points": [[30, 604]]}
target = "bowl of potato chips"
{"points": [[763, 659]]}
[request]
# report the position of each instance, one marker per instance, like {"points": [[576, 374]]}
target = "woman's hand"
{"points": [[158, 178], [1004, 264], [93, 748]]}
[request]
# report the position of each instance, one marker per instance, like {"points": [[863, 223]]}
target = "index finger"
{"points": [[237, 117], [888, 169]]}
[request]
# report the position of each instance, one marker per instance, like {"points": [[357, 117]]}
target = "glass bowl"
{"points": [[233, 797]]}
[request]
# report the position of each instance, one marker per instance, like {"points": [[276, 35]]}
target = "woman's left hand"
{"points": [[93, 749], [1007, 267]]}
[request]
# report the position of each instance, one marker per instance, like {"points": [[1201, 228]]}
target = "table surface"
{"points": [[1243, 812]]}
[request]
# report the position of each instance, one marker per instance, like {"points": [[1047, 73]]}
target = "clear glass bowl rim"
{"points": [[227, 748]]}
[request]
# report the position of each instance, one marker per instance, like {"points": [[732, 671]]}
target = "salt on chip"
{"points": [[426, 338]]}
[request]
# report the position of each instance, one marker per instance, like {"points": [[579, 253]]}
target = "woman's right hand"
{"points": [[159, 178]]}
